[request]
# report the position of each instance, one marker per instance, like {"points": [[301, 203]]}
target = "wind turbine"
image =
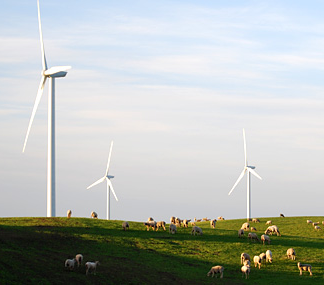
{"points": [[109, 185], [50, 74], [247, 169]]}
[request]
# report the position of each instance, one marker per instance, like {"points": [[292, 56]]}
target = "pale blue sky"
{"points": [[172, 83]]}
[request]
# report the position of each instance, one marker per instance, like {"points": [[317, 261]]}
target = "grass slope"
{"points": [[33, 251]]}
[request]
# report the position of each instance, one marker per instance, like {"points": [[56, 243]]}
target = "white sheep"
{"points": [[247, 263], [197, 230], [160, 224], [269, 222], [263, 256], [304, 267], [245, 226], [125, 226], [172, 220], [269, 256], [91, 267], [216, 269], [70, 263], [265, 238], [220, 218], [253, 236], [213, 223], [185, 223], [257, 261], [69, 214], [94, 215], [317, 228], [79, 259], [149, 225], [245, 256], [309, 222], [245, 270], [315, 224], [178, 222], [272, 229], [150, 219], [172, 229], [240, 233], [291, 253], [255, 220]]}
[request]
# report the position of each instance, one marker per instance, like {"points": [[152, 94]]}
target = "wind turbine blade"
{"points": [[97, 182], [111, 145], [38, 97], [112, 189], [41, 39], [254, 173], [238, 180], [245, 155]]}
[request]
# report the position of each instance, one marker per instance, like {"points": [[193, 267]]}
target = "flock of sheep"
{"points": [[218, 269]]}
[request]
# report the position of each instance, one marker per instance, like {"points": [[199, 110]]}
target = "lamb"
{"points": [[94, 215], [244, 257], [185, 223], [160, 224], [309, 222], [216, 269], [197, 230], [70, 263], [257, 261], [125, 226], [172, 229], [213, 223], [263, 256], [269, 223], [245, 270], [69, 214], [269, 256], [291, 253], [255, 221], [245, 226], [304, 267], [253, 229], [240, 233], [79, 259], [151, 224], [317, 228], [91, 267], [265, 238], [253, 236]]}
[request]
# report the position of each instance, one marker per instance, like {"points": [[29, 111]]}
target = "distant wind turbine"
{"points": [[109, 184], [247, 169], [51, 74]]}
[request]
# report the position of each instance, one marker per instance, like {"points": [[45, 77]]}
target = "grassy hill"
{"points": [[33, 251]]}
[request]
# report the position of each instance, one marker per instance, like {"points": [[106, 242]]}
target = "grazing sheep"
{"points": [[91, 267], [255, 221], [263, 257], [69, 214], [282, 215], [240, 233], [245, 270], [253, 236], [245, 226], [257, 261], [309, 222], [185, 223], [247, 263], [253, 229], [172, 229], [193, 224], [178, 222], [269, 223], [213, 223], [272, 229], [291, 253], [269, 256], [172, 220], [245, 256], [197, 230], [150, 219], [265, 238], [125, 226], [206, 220], [149, 225], [317, 228], [216, 269], [315, 224], [70, 263], [79, 259], [220, 218], [304, 267], [198, 221], [94, 215], [160, 224], [323, 222]]}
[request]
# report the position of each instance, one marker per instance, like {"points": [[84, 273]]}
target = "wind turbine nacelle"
{"points": [[250, 166], [110, 176], [57, 71], [56, 74]]}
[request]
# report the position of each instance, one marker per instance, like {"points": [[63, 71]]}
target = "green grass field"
{"points": [[33, 251]]}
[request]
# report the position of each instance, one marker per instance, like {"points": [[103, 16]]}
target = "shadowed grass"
{"points": [[33, 251]]}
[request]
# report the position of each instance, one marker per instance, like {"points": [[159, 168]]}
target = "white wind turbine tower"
{"points": [[109, 185], [51, 74], [247, 169]]}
